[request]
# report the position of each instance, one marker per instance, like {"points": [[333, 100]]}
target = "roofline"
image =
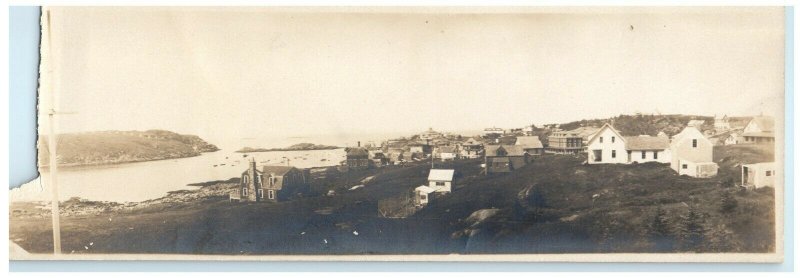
{"points": [[601, 129]]}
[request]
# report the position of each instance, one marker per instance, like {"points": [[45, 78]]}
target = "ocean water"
{"points": [[133, 182]]}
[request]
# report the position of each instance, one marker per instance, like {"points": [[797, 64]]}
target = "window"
{"points": [[685, 166], [769, 173], [694, 143], [644, 154], [613, 153], [261, 193], [655, 154], [439, 183], [271, 194], [244, 191], [423, 197], [612, 138], [245, 179], [601, 139]]}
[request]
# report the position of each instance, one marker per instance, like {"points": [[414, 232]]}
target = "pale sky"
{"points": [[249, 72]]}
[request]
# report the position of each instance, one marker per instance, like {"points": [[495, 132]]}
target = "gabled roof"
{"points": [[586, 131], [276, 170], [425, 189], [646, 143], [357, 152], [471, 141], [687, 132], [766, 124], [529, 142], [511, 150], [606, 126], [441, 175]]}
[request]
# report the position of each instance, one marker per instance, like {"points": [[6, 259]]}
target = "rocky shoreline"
{"points": [[296, 147]]}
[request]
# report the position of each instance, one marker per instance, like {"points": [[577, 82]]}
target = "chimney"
{"points": [[359, 144], [253, 164]]}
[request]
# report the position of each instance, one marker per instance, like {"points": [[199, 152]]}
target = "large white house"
{"points": [[609, 146], [440, 182], [692, 154]]}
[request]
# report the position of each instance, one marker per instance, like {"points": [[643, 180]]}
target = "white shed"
{"points": [[759, 174], [441, 180]]}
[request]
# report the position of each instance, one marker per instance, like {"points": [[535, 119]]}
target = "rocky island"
{"points": [[295, 147], [111, 147]]}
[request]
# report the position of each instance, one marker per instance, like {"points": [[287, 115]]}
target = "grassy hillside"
{"points": [[122, 146], [559, 205], [631, 125], [553, 205]]}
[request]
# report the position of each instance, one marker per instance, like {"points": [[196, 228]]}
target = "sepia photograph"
{"points": [[583, 134]]}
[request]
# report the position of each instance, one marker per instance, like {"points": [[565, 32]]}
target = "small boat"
{"points": [[244, 155], [215, 165], [223, 164]]}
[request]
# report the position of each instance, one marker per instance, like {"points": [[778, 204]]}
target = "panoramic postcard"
{"points": [[515, 134]]}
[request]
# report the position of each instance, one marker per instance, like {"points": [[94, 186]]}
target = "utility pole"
{"points": [[54, 183], [52, 142]]}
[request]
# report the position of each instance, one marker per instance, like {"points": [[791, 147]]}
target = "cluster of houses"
{"points": [[689, 152]]}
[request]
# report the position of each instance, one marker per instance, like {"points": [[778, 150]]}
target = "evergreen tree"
{"points": [[693, 231], [728, 203], [658, 232], [722, 239]]}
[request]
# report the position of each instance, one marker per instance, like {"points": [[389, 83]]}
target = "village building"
{"points": [[430, 134], [760, 130], [696, 123], [420, 148], [282, 182], [357, 158], [564, 142], [445, 153], [528, 130], [504, 158], [440, 182], [758, 175], [721, 123], [692, 154], [732, 138], [609, 146], [570, 142], [644, 148], [530, 144], [471, 148], [271, 184], [493, 131]]}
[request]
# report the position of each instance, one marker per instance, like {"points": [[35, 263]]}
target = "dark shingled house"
{"points": [[357, 158], [504, 158], [271, 184]]}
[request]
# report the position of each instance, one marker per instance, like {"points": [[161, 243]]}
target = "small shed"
{"points": [[758, 175], [423, 195]]}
